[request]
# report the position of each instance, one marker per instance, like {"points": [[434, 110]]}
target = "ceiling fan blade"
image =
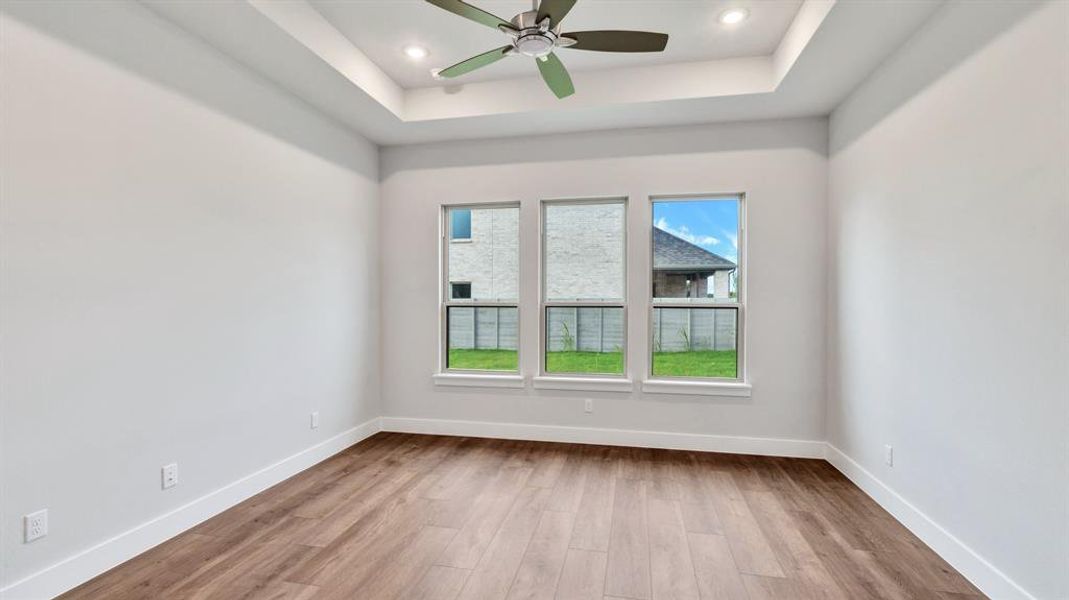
{"points": [[617, 41], [471, 12], [556, 10], [475, 62], [556, 76]]}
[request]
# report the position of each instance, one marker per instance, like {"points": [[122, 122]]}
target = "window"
{"points": [[460, 225], [697, 300], [481, 289], [583, 270]]}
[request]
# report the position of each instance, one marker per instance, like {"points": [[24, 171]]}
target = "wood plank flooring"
{"points": [[448, 518]]}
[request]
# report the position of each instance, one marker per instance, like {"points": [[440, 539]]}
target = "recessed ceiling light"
{"points": [[416, 52], [734, 16]]}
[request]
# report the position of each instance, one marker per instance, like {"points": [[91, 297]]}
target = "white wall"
{"points": [[781, 165], [949, 284], [189, 268], [190, 264]]}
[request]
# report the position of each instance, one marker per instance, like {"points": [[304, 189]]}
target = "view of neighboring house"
{"points": [[484, 253], [482, 265], [584, 251], [483, 256], [683, 270]]}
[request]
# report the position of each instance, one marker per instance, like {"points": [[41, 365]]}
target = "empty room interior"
{"points": [[550, 299]]}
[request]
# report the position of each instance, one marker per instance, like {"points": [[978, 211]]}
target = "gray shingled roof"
{"points": [[671, 253]]}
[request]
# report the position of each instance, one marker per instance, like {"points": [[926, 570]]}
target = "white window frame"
{"points": [[738, 385], [580, 381], [451, 376]]}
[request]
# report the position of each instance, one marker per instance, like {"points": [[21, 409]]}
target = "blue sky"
{"points": [[711, 224]]}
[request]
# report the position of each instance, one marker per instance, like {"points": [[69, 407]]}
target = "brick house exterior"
{"points": [[584, 260]]}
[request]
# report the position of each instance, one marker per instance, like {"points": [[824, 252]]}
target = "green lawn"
{"points": [[700, 363], [605, 363], [483, 360]]}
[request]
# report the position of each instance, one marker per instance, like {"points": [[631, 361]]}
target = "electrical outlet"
{"points": [[36, 525], [588, 405], [889, 455], [169, 474], [315, 420]]}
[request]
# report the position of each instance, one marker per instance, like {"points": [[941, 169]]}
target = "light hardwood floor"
{"points": [[411, 516]]}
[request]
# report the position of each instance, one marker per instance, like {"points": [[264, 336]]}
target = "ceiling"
{"points": [[790, 58], [382, 28]]}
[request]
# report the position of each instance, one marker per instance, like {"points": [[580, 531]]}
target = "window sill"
{"points": [[584, 384], [479, 380], [697, 388]]}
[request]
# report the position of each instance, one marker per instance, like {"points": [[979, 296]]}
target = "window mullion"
{"points": [[661, 304]]}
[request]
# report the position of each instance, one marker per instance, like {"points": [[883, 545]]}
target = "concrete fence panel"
{"points": [[682, 329], [483, 327], [594, 329], [587, 329]]}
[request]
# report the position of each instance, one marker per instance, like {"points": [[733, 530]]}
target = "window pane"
{"points": [[695, 342], [584, 251], [586, 339], [460, 224], [482, 338], [695, 249], [489, 260]]}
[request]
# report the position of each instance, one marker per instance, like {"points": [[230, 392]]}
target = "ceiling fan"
{"points": [[537, 33]]}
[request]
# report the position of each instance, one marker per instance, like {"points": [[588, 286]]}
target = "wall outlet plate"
{"points": [[889, 455], [169, 474], [315, 420], [36, 525], [588, 405]]}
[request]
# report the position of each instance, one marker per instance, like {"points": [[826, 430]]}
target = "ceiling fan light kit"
{"points": [[534, 38], [537, 33]]}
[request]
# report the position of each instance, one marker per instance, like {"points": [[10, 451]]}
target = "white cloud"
{"points": [[733, 238], [684, 233]]}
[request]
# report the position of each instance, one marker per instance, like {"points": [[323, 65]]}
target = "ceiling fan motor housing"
{"points": [[534, 39], [539, 37]]}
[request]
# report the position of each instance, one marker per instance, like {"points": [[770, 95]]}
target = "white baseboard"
{"points": [[89, 563], [609, 437], [85, 565], [971, 565]]}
